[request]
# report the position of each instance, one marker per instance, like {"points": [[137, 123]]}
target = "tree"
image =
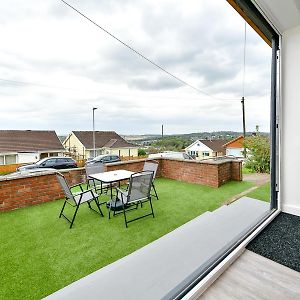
{"points": [[258, 154], [141, 152]]}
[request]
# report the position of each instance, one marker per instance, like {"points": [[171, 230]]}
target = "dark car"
{"points": [[27, 172], [57, 162], [104, 159]]}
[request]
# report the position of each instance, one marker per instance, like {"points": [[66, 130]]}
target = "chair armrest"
{"points": [[88, 191], [121, 191], [123, 194], [76, 185]]}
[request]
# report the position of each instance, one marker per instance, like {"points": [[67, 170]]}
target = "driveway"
{"points": [[256, 178]]}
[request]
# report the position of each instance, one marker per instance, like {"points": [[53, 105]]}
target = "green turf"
{"points": [[261, 193], [40, 254]]}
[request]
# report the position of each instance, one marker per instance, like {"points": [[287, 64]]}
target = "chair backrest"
{"points": [[94, 168], [139, 186], [151, 166], [62, 180]]}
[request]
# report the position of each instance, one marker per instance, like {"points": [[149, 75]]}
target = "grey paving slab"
{"points": [[154, 270]]}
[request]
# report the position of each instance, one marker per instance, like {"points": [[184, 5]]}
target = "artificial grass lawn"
{"points": [[40, 254], [261, 193]]}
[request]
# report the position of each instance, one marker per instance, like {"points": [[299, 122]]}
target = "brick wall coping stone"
{"points": [[125, 162], [210, 161], [37, 174]]}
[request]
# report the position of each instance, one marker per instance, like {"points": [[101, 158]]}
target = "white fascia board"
{"points": [[198, 146], [191, 145], [50, 151], [67, 138]]}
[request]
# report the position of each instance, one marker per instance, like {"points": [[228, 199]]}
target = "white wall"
{"points": [[290, 162], [237, 152], [27, 157], [198, 146]]}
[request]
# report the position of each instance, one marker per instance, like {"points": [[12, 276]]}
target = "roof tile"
{"points": [[109, 139], [29, 141]]}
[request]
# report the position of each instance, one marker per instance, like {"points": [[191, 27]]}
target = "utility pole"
{"points": [[94, 141], [244, 123], [162, 131], [243, 84]]}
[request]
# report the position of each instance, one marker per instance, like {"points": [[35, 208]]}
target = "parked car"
{"points": [[104, 159], [28, 171], [176, 155], [55, 162]]}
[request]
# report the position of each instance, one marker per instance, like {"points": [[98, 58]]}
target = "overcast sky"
{"points": [[69, 66]]}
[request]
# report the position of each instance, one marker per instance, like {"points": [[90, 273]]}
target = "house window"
{"points": [[1, 160], [99, 152], [193, 153], [53, 154], [205, 153], [10, 159]]}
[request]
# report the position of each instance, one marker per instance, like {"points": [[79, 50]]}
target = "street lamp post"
{"points": [[94, 142]]}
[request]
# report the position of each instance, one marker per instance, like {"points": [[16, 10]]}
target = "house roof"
{"points": [[29, 141], [236, 143], [215, 145], [108, 139]]}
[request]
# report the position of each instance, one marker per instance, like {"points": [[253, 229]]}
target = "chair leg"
{"points": [[153, 186], [98, 205], [61, 212], [74, 216], [151, 206], [109, 210], [125, 216]]}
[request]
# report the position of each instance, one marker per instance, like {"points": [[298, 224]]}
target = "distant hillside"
{"points": [[142, 137], [224, 135]]}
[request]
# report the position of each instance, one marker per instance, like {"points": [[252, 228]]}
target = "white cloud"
{"points": [[76, 66]]}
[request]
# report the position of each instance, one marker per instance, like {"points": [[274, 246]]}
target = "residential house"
{"points": [[202, 149], [27, 146], [235, 147], [80, 144]]}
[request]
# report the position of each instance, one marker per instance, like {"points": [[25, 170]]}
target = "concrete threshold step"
{"points": [[156, 269]]}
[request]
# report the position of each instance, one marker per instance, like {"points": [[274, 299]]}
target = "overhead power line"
{"points": [[140, 54], [45, 85], [18, 82]]}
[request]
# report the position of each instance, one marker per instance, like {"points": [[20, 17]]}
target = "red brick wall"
{"points": [[212, 174], [236, 171], [26, 191]]}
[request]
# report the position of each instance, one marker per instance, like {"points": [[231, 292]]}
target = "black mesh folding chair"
{"points": [[78, 198], [138, 192], [151, 166], [98, 185]]}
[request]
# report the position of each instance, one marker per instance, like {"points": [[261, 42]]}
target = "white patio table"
{"points": [[112, 176]]}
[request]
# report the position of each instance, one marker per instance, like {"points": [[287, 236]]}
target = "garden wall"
{"points": [[25, 190], [212, 173]]}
